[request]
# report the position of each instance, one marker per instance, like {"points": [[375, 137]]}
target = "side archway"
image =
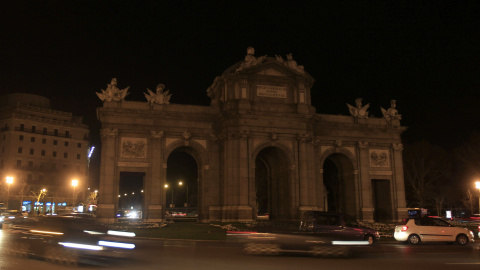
{"points": [[339, 182], [192, 158]]}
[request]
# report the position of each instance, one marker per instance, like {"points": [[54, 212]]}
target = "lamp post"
{"points": [[477, 185], [166, 186], [9, 182], [74, 184], [181, 184], [42, 194]]}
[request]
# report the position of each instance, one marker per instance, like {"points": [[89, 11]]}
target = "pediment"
{"points": [[270, 66], [272, 71]]}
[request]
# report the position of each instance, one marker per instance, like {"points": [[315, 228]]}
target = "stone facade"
{"points": [[260, 147]]}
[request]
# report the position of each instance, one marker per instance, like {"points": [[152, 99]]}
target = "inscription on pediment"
{"points": [[272, 91]]}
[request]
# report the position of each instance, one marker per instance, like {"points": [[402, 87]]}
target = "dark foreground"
{"points": [[185, 254]]}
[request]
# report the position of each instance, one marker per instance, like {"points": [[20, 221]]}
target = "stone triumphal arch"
{"points": [[260, 148]]}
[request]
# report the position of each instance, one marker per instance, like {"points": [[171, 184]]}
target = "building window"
{"points": [[43, 153], [30, 164], [44, 141], [55, 132], [65, 155], [34, 129], [79, 145], [54, 154], [20, 150], [45, 131], [20, 137], [55, 142], [66, 143], [19, 163], [67, 134], [32, 139], [22, 127], [32, 151], [78, 156]]}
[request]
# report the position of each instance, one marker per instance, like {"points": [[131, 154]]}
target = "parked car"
{"points": [[429, 229], [338, 225], [66, 240]]}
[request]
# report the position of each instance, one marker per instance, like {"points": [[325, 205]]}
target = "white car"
{"points": [[427, 229]]}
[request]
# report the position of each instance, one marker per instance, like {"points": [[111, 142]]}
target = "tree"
{"points": [[469, 153], [427, 170], [469, 201]]}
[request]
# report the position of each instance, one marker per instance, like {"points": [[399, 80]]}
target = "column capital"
{"points": [[156, 134], [109, 132]]}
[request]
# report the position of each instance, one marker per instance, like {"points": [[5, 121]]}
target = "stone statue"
{"points": [[250, 59], [290, 63], [391, 113], [359, 111], [159, 97], [113, 93]]}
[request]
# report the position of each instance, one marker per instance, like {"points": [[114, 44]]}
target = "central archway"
{"points": [[272, 188]]}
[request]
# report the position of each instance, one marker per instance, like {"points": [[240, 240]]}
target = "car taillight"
{"points": [[404, 228]]}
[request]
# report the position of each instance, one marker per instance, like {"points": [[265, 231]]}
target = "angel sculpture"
{"points": [[359, 111], [159, 97], [113, 93], [250, 59], [391, 113]]}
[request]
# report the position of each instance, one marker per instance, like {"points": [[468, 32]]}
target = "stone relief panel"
{"points": [[133, 147], [379, 158]]}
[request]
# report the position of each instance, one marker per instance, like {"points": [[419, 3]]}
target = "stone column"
{"points": [[243, 168], [302, 170], [398, 183], [236, 206], [365, 181], [107, 202], [154, 187]]}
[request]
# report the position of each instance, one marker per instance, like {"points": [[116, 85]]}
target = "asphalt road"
{"points": [[179, 254]]}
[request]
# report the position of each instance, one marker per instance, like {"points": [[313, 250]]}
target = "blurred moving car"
{"points": [[338, 225], [7, 216], [324, 234], [66, 240], [429, 229], [298, 242]]}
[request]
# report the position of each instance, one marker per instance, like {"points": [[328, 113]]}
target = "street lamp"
{"points": [[9, 181], [74, 184], [181, 184], [477, 185], [166, 186]]}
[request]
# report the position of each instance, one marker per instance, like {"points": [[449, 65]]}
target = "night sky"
{"points": [[424, 54]]}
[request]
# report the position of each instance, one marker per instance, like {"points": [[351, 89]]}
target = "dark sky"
{"points": [[424, 54]]}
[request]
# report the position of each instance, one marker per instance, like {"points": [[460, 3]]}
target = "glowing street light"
{"points": [[166, 186], [9, 182], [74, 184], [181, 184]]}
